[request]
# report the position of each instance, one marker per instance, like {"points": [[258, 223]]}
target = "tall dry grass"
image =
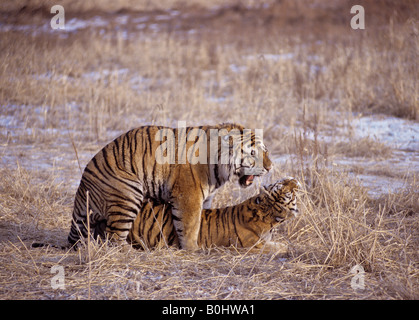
{"points": [[64, 96], [110, 83], [340, 227]]}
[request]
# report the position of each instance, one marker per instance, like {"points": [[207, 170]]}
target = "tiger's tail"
{"points": [[42, 245]]}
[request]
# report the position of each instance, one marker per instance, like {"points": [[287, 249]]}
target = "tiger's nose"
{"points": [[269, 167]]}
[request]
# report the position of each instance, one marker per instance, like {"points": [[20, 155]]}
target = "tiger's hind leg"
{"points": [[111, 212], [120, 216], [79, 230]]}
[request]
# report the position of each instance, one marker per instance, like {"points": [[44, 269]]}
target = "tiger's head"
{"points": [[248, 156], [276, 202]]}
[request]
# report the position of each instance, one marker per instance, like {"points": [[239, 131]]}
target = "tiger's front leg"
{"points": [[186, 214]]}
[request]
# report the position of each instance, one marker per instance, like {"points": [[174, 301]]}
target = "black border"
{"points": [[153, 309]]}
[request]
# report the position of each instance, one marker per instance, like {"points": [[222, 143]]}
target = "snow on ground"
{"points": [[397, 133], [400, 134], [396, 172]]}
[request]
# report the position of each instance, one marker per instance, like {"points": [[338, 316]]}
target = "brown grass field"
{"points": [[295, 69]]}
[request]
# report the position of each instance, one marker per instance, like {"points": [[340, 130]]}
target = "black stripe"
{"points": [[117, 153], [115, 176], [240, 213], [233, 219], [116, 229], [150, 187], [153, 174], [96, 165], [180, 232], [78, 204], [166, 218], [123, 149], [224, 214], [149, 139], [144, 144], [94, 192], [149, 235], [144, 170], [143, 220], [175, 218], [150, 213], [105, 168], [132, 152], [105, 157], [134, 188], [120, 221], [123, 207], [216, 173], [100, 180], [171, 238]]}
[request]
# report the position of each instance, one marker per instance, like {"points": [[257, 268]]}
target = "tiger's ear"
{"points": [[290, 181], [291, 184], [258, 200], [274, 187]]}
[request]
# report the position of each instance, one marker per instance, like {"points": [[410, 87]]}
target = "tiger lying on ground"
{"points": [[247, 224], [125, 174]]}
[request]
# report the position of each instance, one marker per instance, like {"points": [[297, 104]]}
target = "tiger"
{"points": [[163, 164], [248, 224]]}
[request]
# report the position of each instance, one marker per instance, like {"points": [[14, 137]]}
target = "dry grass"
{"points": [[364, 147], [64, 95], [340, 227]]}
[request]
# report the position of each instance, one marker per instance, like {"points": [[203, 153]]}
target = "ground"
{"points": [[338, 108]]}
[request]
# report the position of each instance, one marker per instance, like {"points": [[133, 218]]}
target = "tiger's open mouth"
{"points": [[246, 181]]}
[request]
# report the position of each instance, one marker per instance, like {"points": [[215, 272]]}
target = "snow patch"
{"points": [[395, 132]]}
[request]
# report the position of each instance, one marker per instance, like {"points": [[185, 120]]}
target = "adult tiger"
{"points": [[164, 164], [247, 224]]}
